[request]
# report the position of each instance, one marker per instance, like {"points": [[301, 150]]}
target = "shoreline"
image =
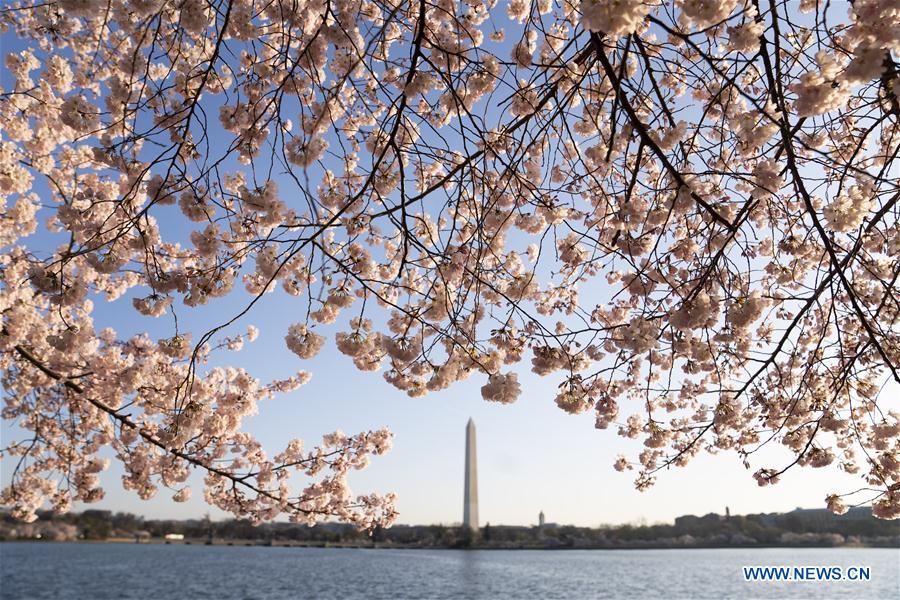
{"points": [[387, 546]]}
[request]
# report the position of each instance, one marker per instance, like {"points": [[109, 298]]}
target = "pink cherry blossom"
{"points": [[683, 212]]}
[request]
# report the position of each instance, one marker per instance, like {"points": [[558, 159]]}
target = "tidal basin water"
{"points": [[159, 571]]}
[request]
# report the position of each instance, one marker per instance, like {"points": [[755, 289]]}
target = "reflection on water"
{"points": [[176, 572], [469, 571]]}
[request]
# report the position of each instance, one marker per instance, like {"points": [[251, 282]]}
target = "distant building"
{"points": [[470, 492], [541, 519]]}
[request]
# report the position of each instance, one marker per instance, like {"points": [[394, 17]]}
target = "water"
{"points": [[158, 571]]}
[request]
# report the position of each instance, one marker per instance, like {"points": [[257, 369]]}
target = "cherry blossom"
{"points": [[682, 212]]}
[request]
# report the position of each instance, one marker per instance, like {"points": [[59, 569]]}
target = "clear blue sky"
{"points": [[532, 456]]}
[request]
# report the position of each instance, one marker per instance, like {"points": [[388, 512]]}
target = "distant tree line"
{"points": [[796, 528]]}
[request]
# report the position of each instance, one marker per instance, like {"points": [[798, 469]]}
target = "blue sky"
{"points": [[531, 455]]}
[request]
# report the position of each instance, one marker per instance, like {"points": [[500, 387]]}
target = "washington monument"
{"points": [[470, 498]]}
